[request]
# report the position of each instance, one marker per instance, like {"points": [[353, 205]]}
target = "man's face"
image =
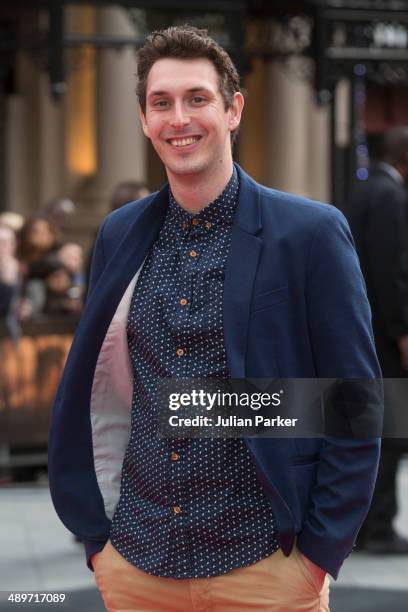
{"points": [[41, 235], [71, 256], [58, 281], [186, 119]]}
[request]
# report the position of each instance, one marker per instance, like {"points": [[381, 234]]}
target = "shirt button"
{"points": [[180, 352], [175, 456], [183, 301], [193, 253], [208, 225], [195, 221], [184, 226], [177, 509]]}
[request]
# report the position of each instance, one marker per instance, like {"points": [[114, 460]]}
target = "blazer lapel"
{"points": [[242, 264]]}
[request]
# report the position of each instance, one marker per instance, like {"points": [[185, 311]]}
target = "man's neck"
{"points": [[195, 191]]}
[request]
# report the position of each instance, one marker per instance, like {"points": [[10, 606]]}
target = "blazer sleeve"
{"points": [[62, 476], [343, 347], [75, 482]]}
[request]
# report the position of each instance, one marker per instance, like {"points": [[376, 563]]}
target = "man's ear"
{"points": [[235, 111], [144, 123]]}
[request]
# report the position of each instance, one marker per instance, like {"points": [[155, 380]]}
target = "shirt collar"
{"points": [[222, 209]]}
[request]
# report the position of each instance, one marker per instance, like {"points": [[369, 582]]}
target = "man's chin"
{"points": [[185, 169]]}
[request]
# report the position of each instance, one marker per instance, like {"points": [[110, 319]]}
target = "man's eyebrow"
{"points": [[202, 88], [157, 93], [162, 92]]}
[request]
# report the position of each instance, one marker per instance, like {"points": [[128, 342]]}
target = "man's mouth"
{"points": [[183, 142]]}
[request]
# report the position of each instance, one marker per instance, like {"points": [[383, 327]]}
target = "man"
{"points": [[378, 218], [233, 280]]}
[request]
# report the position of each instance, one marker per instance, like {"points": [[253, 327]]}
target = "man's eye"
{"points": [[198, 100], [161, 103]]}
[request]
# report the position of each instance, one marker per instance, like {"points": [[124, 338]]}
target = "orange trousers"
{"points": [[276, 584]]}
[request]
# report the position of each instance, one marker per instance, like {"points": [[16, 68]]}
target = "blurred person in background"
{"points": [[60, 211], [378, 217], [10, 281], [128, 191], [38, 237], [215, 276], [52, 291], [12, 219], [59, 284], [71, 255]]}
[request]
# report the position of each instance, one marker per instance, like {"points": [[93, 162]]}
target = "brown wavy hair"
{"points": [[25, 251]]}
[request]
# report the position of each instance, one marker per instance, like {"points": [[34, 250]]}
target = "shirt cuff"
{"points": [[91, 548]]}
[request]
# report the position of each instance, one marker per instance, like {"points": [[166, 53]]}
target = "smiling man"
{"points": [[215, 276], [189, 122]]}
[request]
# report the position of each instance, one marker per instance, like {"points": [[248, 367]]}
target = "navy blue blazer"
{"points": [[294, 306]]}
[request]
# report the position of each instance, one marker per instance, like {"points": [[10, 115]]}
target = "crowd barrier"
{"points": [[30, 368]]}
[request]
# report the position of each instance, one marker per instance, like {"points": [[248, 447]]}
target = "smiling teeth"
{"points": [[183, 142]]}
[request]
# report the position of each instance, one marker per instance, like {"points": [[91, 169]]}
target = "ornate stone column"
{"points": [[119, 148], [51, 175], [121, 143], [297, 158]]}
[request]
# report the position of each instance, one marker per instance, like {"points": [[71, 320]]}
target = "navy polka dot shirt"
{"points": [[188, 508]]}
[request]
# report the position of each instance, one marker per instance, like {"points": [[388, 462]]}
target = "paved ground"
{"points": [[38, 554]]}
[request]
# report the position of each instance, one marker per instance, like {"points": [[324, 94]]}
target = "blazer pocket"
{"points": [[264, 300]]}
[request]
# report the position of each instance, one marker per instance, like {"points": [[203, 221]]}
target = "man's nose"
{"points": [[180, 116]]}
